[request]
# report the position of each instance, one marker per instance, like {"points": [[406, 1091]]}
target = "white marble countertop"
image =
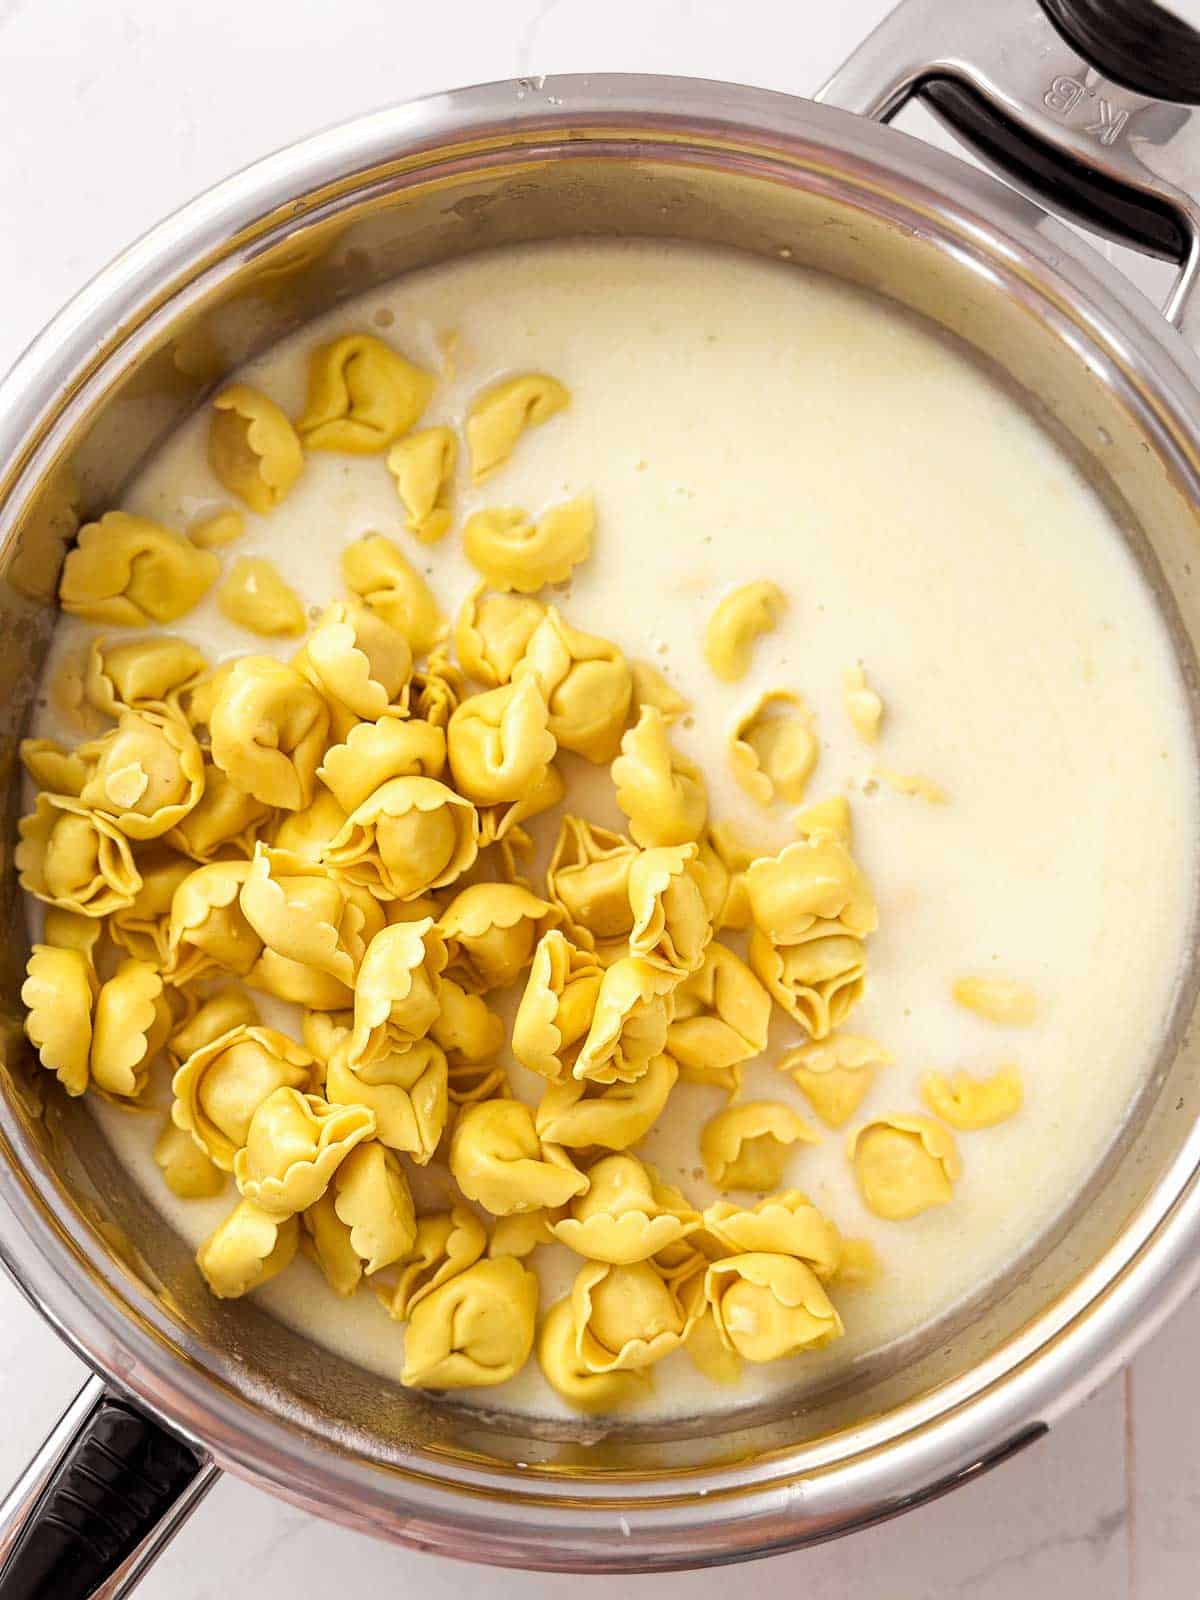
{"points": [[113, 115]]}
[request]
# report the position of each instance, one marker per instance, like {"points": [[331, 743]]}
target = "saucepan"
{"points": [[1083, 104]]}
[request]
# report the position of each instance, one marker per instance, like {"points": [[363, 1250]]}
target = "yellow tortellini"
{"points": [[58, 994], [500, 415], [475, 1330], [721, 867], [269, 728], [520, 1233], [222, 1084], [492, 632], [253, 449], [407, 1088], [140, 674], [586, 684], [627, 1214], [785, 1224], [774, 751], [722, 1014], [255, 596], [74, 858], [746, 1146], [498, 1159], [376, 571], [650, 688], [511, 551], [224, 818], [53, 767], [588, 880], [465, 1028], [127, 571], [186, 1170], [835, 1073], [672, 925], [208, 930], [326, 1241], [628, 1317], [362, 396], [445, 1245], [411, 835], [230, 1007], [998, 1000], [423, 466], [218, 530], [438, 687], [373, 753], [131, 1024], [499, 743], [768, 1306], [248, 1249], [596, 1393], [634, 1007], [662, 794], [360, 663], [294, 1144], [373, 1201], [490, 931], [826, 819], [146, 775], [310, 832], [817, 982], [904, 1165], [808, 883], [967, 1103], [580, 1115], [557, 1006], [397, 996], [738, 621]]}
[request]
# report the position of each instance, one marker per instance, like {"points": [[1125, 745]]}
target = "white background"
{"points": [[113, 114]]}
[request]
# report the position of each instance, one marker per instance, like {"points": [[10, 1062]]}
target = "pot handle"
{"points": [[98, 1502], [1079, 102]]}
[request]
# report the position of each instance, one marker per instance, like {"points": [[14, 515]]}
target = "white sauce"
{"points": [[740, 420]]}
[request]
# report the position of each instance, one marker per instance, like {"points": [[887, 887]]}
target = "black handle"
{"points": [[1134, 42], [117, 1481]]}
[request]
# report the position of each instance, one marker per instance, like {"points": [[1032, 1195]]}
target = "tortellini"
{"points": [[629, 1317], [376, 571], [634, 1007], [597, 1393], [492, 632], [809, 883], [309, 833], [222, 1084], [511, 551], [498, 1159], [446, 1243], [586, 684], [738, 621], [768, 1306], [269, 728], [397, 997], [967, 1103], [627, 1214], [294, 1144], [475, 1330], [248, 1249], [224, 818], [672, 925], [131, 1024], [227, 1008], [746, 1146], [53, 767], [818, 982], [500, 415], [423, 466], [253, 449], [58, 993], [362, 396], [499, 743], [208, 930], [490, 931], [588, 880], [662, 794], [834, 1074], [222, 528], [579, 1115], [998, 1000], [140, 674], [465, 1028], [255, 596], [904, 1165], [375, 752], [73, 857], [650, 688], [360, 663], [127, 571], [774, 751], [373, 1201], [146, 775], [721, 1017], [411, 835], [407, 1088], [557, 1006], [186, 1170], [783, 1224]]}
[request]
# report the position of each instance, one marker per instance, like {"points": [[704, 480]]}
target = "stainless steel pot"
{"points": [[188, 1385]]}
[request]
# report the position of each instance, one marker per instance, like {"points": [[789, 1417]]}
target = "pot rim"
{"points": [[492, 1512]]}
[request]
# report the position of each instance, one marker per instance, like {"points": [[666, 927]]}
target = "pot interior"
{"points": [[813, 196]]}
